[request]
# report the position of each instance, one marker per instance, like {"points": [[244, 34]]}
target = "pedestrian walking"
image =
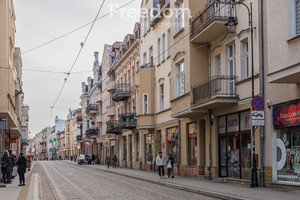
{"points": [[14, 170], [160, 162], [28, 162], [170, 166], [108, 160], [75, 158], [71, 157], [7, 167], [2, 167], [93, 159], [22, 163], [115, 160]]}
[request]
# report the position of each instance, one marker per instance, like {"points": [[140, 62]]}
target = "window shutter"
{"points": [[297, 17]]}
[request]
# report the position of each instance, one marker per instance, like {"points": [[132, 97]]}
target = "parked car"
{"points": [[83, 159]]}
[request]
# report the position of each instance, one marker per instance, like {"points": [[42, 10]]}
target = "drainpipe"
{"points": [[155, 121], [262, 92], [209, 148], [179, 147]]}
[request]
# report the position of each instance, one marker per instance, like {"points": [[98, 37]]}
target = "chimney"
{"points": [[96, 54]]}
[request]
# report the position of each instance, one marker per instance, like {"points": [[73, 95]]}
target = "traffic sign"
{"points": [[258, 118], [257, 103]]}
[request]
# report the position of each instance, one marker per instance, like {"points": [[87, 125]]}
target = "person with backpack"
{"points": [[108, 160], [14, 169], [7, 167], [115, 160], [170, 166], [22, 164]]}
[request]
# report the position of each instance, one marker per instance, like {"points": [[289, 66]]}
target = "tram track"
{"points": [[109, 176], [56, 185]]}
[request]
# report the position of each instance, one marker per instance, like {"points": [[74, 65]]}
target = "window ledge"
{"points": [[162, 111], [158, 64], [176, 98], [178, 33], [293, 39]]}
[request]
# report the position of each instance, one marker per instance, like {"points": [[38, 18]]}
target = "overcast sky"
{"points": [[39, 21]]}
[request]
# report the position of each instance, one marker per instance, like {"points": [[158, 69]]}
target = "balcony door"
{"points": [[218, 73], [230, 82]]}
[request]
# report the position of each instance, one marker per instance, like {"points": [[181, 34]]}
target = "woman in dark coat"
{"points": [[22, 164]]}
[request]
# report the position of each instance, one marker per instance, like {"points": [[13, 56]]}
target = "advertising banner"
{"points": [[286, 115]]}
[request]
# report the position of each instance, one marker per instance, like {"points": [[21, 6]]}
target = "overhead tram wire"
{"points": [[70, 32], [79, 52]]}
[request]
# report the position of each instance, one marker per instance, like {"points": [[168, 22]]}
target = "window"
{"points": [[162, 97], [145, 103], [168, 42], [180, 79], [145, 58], [68, 141], [231, 68], [163, 47], [158, 50], [172, 144], [145, 24], [151, 54], [192, 143], [149, 148], [132, 75], [245, 59], [179, 16], [149, 20]]}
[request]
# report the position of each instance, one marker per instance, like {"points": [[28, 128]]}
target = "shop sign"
{"points": [[172, 133], [13, 140], [245, 121], [233, 123], [3, 123], [113, 143], [286, 115], [222, 125], [192, 130]]}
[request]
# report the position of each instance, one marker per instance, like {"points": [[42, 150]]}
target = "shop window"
{"points": [[173, 142], [192, 144], [288, 154], [149, 148]]}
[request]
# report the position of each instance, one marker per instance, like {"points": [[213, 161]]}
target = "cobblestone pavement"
{"points": [[59, 180]]}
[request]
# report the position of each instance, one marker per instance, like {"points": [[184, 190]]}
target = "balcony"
{"points": [[79, 138], [79, 120], [128, 121], [91, 133], [146, 66], [110, 85], [92, 109], [218, 92], [113, 126], [210, 24], [121, 92], [111, 110]]}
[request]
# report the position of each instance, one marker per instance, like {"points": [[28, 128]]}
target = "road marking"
{"points": [[54, 184], [69, 181], [36, 187]]}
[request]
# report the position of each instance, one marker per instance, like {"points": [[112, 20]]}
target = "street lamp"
{"points": [[231, 23]]}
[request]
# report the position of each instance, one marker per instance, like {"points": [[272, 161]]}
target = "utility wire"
{"points": [[70, 32], [79, 52]]}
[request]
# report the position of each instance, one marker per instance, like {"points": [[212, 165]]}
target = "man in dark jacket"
{"points": [[22, 164], [93, 159], [108, 160], [7, 168], [170, 165]]}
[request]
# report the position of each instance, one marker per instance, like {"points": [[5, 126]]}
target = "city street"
{"points": [[65, 180]]}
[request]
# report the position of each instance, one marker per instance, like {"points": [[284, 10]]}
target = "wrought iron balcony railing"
{"points": [[215, 11], [91, 132], [92, 109], [121, 92], [128, 121], [219, 86], [79, 119], [79, 138], [113, 126]]}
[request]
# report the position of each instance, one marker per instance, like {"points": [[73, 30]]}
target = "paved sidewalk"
{"points": [[12, 191], [200, 186]]}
